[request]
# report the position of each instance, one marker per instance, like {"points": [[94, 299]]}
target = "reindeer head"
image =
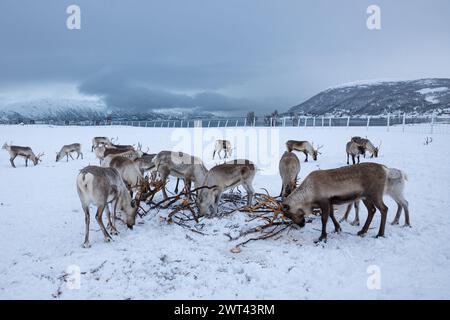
{"points": [[376, 150], [38, 158], [316, 152], [206, 201]]}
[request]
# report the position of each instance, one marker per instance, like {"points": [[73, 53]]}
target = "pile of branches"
{"points": [[183, 210]]}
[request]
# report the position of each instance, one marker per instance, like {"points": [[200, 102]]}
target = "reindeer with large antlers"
{"points": [[24, 152], [66, 151], [305, 147], [101, 186]]}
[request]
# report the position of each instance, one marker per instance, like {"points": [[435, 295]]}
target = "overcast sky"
{"points": [[216, 54]]}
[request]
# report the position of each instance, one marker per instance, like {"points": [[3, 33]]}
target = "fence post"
{"points": [[368, 122], [329, 122], [209, 123], [254, 121], [432, 124], [323, 119], [218, 123], [348, 122], [388, 121], [245, 122], [306, 120], [237, 121], [404, 121], [284, 121]]}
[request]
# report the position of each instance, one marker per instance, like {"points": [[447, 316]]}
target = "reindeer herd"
{"points": [[122, 170]]}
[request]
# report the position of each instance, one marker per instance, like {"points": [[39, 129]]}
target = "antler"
{"points": [[39, 156]]}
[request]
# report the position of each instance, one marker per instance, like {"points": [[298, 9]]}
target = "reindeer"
{"points": [[223, 177], [145, 162], [24, 152], [101, 186], [66, 151], [305, 147], [355, 150], [289, 168], [128, 170], [222, 145], [100, 141], [395, 185], [106, 154], [180, 165], [322, 189], [364, 142]]}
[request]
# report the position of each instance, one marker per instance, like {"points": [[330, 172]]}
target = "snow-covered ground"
{"points": [[42, 226]]}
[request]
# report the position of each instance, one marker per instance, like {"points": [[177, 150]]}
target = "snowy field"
{"points": [[42, 226]]}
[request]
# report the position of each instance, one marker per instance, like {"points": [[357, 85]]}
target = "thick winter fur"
{"points": [[24, 152], [100, 186], [303, 146], [223, 177], [322, 189], [66, 151], [180, 165], [289, 168], [222, 145]]}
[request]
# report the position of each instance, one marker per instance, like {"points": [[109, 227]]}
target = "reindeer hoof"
{"points": [[355, 223], [86, 245], [342, 220], [108, 239], [407, 225], [338, 230], [361, 233], [395, 222], [380, 236]]}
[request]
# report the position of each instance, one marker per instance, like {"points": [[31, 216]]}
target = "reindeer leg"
{"points": [[110, 226], [348, 158], [176, 187], [81, 155], [356, 221], [358, 159], [306, 154], [325, 208], [26, 161], [214, 153], [98, 217], [353, 159], [397, 215], [383, 210], [337, 227], [70, 154], [347, 212], [67, 157], [370, 213], [12, 161], [250, 192], [86, 243]]}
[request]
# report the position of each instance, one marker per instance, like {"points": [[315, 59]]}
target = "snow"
{"points": [[42, 226], [429, 94]]}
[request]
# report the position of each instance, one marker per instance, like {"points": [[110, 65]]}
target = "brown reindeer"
{"points": [[367, 145], [24, 152], [180, 165], [355, 150], [66, 151], [322, 189], [289, 167], [101, 186], [305, 147], [223, 177]]}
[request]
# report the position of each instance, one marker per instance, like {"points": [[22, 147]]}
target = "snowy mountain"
{"points": [[80, 110], [380, 97]]}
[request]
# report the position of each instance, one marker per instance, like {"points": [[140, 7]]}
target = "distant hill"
{"points": [[380, 97]]}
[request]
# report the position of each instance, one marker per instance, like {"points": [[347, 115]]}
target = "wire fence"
{"points": [[423, 124]]}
